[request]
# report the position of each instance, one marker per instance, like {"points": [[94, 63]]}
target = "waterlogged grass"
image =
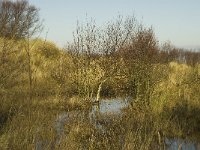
{"points": [[35, 126], [22, 128], [58, 122], [32, 124]]}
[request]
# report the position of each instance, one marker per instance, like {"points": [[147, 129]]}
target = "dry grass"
{"points": [[172, 112]]}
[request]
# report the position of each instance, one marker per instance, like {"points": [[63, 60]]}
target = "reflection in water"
{"points": [[101, 115], [65, 118], [105, 107], [112, 106], [180, 144], [106, 111], [59, 126]]}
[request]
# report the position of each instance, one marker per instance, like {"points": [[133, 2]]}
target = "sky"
{"points": [[177, 21]]}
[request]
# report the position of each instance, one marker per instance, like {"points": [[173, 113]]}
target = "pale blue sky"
{"points": [[175, 20]]}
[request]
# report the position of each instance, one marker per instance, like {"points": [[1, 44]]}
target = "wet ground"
{"points": [[103, 114]]}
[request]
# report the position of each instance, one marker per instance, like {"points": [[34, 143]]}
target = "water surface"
{"points": [[107, 109]]}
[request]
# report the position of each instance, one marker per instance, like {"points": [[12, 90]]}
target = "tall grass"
{"points": [[165, 102]]}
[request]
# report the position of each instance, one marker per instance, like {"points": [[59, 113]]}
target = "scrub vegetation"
{"points": [[39, 81]]}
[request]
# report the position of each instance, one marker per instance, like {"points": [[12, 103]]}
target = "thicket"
{"points": [[122, 58]]}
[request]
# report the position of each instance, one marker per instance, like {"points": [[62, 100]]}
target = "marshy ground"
{"points": [[113, 87]]}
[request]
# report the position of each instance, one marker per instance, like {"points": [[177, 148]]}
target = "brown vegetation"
{"points": [[38, 81]]}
